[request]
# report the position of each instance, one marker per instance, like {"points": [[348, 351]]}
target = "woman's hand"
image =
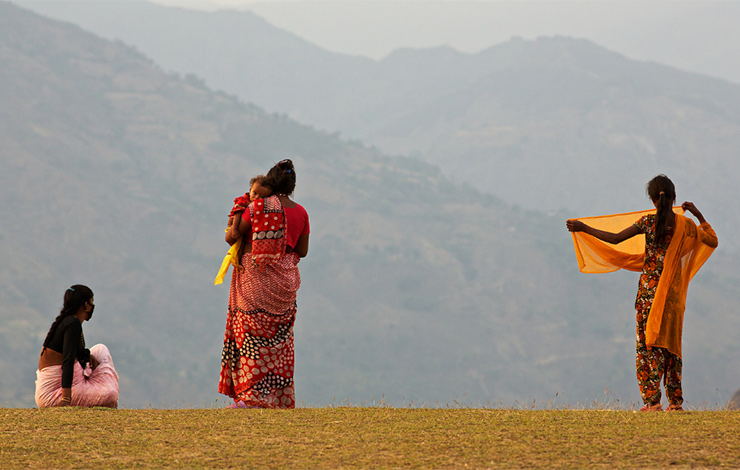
{"points": [[232, 235], [235, 232], [575, 225], [689, 206], [66, 397], [240, 227]]}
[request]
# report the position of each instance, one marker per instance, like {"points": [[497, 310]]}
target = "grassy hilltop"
{"points": [[367, 437]]}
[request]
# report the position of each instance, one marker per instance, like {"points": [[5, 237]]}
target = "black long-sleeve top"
{"points": [[69, 341]]}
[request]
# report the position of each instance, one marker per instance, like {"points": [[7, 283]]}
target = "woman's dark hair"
{"points": [[74, 298], [663, 194], [281, 177]]}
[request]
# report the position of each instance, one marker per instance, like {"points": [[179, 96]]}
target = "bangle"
{"points": [[68, 399]]}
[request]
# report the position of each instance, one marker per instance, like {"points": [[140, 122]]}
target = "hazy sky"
{"points": [[695, 35], [375, 28]]}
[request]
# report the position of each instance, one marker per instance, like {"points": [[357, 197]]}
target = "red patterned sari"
{"points": [[257, 360]]}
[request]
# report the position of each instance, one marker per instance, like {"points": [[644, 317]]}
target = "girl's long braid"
{"points": [[663, 193]]}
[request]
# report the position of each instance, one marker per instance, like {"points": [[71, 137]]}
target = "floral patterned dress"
{"points": [[654, 364]]}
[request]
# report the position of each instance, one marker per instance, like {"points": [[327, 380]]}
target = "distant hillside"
{"points": [[239, 51], [567, 124], [557, 123], [416, 289]]}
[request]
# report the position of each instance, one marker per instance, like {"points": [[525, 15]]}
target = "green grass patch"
{"points": [[367, 438]]}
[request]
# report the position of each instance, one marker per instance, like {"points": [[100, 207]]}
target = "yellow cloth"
{"points": [[689, 249], [231, 258]]}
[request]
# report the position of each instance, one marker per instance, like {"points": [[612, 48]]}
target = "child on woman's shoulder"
{"points": [[257, 189]]}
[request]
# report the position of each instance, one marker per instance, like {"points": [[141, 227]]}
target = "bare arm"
{"points": [[301, 246], [609, 237], [706, 232], [242, 227], [234, 227], [689, 206]]}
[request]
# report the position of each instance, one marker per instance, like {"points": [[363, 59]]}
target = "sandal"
{"points": [[655, 407], [241, 405], [237, 405], [674, 408]]}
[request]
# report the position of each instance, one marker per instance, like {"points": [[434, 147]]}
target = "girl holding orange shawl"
{"points": [[670, 253], [257, 361]]}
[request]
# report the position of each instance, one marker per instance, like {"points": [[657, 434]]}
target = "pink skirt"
{"points": [[90, 387]]}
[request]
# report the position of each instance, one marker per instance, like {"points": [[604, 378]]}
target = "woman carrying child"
{"points": [[257, 362], [673, 251]]}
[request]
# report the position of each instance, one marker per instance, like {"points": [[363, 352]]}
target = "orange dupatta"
{"points": [[688, 250]]}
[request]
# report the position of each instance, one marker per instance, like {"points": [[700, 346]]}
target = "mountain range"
{"points": [[418, 289], [554, 123]]}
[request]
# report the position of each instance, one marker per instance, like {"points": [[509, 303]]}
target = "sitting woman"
{"points": [[70, 374]]}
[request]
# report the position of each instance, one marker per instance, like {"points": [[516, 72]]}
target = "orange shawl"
{"points": [[690, 247]]}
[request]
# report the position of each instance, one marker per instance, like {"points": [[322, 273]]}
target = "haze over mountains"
{"points": [[692, 35], [417, 289], [556, 123]]}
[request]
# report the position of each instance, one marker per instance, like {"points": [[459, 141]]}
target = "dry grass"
{"points": [[367, 438]]}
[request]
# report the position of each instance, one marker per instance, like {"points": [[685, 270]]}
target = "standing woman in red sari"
{"points": [[257, 362]]}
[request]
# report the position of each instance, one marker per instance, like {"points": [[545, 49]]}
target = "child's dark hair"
{"points": [[662, 192], [281, 177], [261, 180], [74, 298]]}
